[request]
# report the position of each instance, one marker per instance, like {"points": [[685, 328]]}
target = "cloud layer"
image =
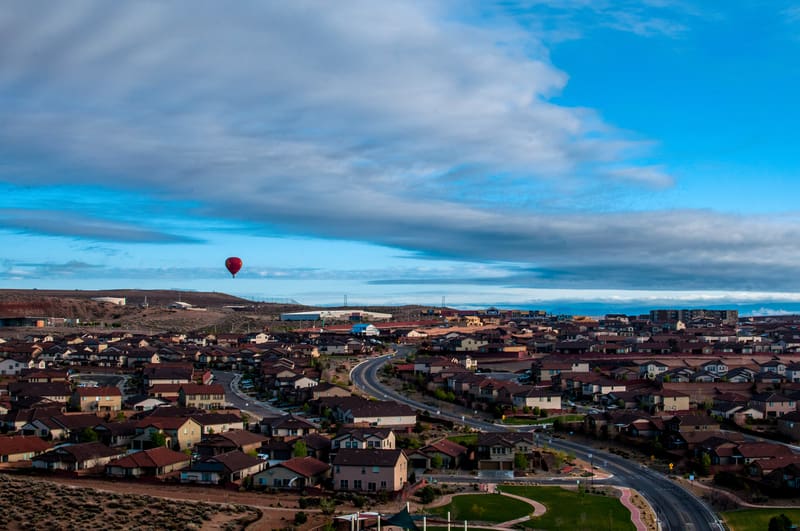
{"points": [[399, 123]]}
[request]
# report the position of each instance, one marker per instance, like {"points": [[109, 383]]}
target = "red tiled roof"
{"points": [[19, 444], [152, 458], [98, 391], [305, 466], [200, 389]]}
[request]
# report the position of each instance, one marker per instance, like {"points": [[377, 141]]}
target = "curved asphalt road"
{"points": [[677, 508]]}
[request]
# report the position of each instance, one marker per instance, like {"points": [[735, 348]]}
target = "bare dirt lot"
{"points": [[31, 503]]}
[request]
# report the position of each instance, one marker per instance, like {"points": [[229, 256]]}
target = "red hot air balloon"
{"points": [[234, 264]]}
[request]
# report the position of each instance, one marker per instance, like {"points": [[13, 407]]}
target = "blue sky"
{"points": [[512, 152]]}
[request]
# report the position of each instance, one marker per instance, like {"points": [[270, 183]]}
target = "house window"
{"points": [[376, 469], [357, 484], [371, 486], [343, 483], [383, 485], [363, 470]]}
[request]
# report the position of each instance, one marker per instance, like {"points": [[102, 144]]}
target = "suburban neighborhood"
{"points": [[693, 393]]}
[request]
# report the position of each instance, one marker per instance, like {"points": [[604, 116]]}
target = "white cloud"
{"points": [[389, 122]]}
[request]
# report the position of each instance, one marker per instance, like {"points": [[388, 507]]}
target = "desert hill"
{"points": [[148, 312]]}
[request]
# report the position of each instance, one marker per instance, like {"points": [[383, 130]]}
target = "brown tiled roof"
{"points": [[199, 389], [315, 441], [152, 458], [164, 388], [241, 437], [210, 419], [305, 466], [119, 428], [77, 422], [19, 444], [235, 460], [367, 457], [98, 391], [761, 449], [361, 434], [446, 447], [164, 423], [80, 452]]}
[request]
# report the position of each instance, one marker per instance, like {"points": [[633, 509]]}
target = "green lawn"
{"points": [[484, 508], [757, 519], [567, 509], [465, 440], [514, 421]]}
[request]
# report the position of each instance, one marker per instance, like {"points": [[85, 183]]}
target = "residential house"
{"points": [[716, 367], [538, 398], [77, 457], [325, 389], [749, 452], [773, 366], [369, 470], [220, 443], [381, 438], [15, 448], [12, 366], [377, 413], [148, 463], [202, 396], [116, 434], [179, 432], [789, 425], [652, 369], [168, 392], [218, 422], [61, 427], [496, 450], [793, 372], [157, 374], [450, 454], [106, 399], [740, 375], [772, 404], [295, 473], [287, 426], [667, 400], [59, 392], [231, 467], [318, 446]]}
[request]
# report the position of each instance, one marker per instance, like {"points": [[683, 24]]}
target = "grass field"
{"points": [[484, 508], [568, 509], [465, 440], [516, 421], [757, 519]]}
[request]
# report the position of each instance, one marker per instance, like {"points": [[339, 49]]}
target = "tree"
{"points": [[300, 518], [520, 462], [780, 523], [436, 461], [299, 449], [705, 464], [426, 494], [89, 435], [158, 438]]}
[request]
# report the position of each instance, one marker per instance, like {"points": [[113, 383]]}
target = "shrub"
{"points": [[300, 518]]}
